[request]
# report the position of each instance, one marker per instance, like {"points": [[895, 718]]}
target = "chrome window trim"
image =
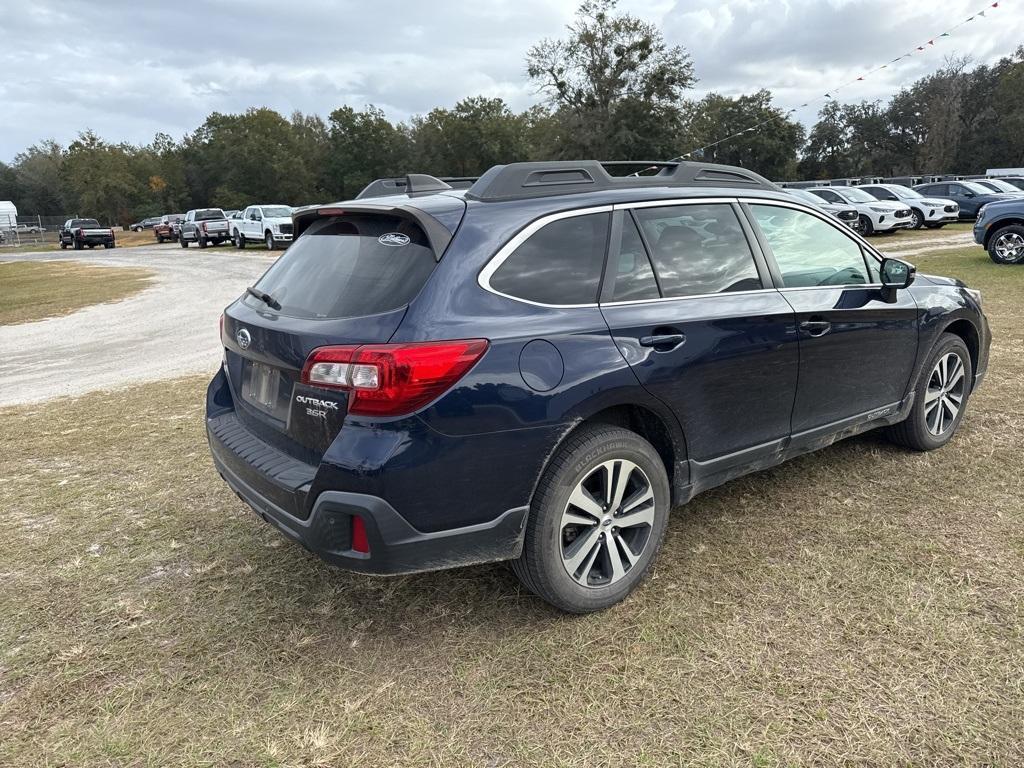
{"points": [[499, 258], [492, 266]]}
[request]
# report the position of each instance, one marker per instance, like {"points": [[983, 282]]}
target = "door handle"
{"points": [[816, 327], [663, 341]]}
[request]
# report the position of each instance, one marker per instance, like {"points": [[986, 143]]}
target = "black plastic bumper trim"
{"points": [[395, 546]]}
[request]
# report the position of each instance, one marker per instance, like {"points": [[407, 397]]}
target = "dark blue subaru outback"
{"points": [[539, 367]]}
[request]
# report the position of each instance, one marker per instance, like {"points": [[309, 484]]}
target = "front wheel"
{"points": [[865, 227], [182, 242], [239, 241], [940, 397], [270, 242], [597, 520], [916, 219], [1007, 245]]}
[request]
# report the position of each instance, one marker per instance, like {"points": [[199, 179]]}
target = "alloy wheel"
{"points": [[944, 396], [606, 524], [916, 220], [1009, 247]]}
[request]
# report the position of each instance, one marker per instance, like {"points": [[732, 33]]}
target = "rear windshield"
{"points": [[209, 213], [85, 223], [349, 267]]}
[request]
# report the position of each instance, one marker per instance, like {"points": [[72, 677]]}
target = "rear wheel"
{"points": [[940, 397], [596, 522], [202, 242], [1006, 246]]}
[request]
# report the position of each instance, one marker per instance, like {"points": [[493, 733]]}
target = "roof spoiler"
{"points": [[517, 181], [437, 234]]}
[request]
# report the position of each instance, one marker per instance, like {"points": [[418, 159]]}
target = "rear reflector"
{"points": [[359, 541], [392, 379]]}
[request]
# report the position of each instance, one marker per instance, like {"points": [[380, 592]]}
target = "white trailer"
{"points": [[8, 215], [991, 172]]}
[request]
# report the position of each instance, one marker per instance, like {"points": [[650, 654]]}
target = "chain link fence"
{"points": [[32, 230]]}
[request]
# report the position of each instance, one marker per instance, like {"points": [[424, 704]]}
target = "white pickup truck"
{"points": [[204, 226], [269, 224]]}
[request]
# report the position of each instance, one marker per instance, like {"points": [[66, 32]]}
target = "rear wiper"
{"points": [[266, 298]]}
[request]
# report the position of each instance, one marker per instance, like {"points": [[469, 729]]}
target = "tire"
{"points": [[1006, 246], [239, 240], [63, 246], [159, 239], [109, 245], [136, 229], [183, 242], [934, 226], [202, 242], [918, 430], [916, 218], [269, 241], [577, 469], [866, 228]]}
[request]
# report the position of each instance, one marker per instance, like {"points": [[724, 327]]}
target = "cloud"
{"points": [[129, 69]]}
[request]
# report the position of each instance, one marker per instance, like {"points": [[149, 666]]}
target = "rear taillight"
{"points": [[392, 379]]}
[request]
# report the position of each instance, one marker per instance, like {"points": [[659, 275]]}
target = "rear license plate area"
{"points": [[260, 386]]}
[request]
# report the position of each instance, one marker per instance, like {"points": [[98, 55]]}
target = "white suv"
{"points": [[931, 212], [269, 224], [875, 215]]}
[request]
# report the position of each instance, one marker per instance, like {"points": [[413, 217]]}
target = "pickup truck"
{"points": [[269, 224], [80, 233], [204, 226], [164, 229]]}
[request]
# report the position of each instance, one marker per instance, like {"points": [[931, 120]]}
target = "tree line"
{"points": [[612, 88]]}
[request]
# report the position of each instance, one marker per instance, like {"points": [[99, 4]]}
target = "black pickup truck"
{"points": [[80, 233]]}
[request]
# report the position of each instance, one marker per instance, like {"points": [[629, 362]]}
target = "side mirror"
{"points": [[968, 194], [897, 273]]}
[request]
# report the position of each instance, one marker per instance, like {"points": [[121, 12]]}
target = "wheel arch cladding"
{"points": [[969, 335], [667, 439], [999, 225]]}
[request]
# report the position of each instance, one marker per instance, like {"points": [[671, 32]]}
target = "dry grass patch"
{"points": [[33, 290], [859, 606]]}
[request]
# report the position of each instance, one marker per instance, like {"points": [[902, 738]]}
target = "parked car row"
{"points": [[269, 225]]}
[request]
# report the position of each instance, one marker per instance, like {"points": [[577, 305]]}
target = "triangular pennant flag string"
{"points": [[909, 54]]}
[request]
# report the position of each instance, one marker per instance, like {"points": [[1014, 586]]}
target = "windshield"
{"points": [[277, 212], [976, 188], [854, 195], [209, 213], [349, 267], [998, 185], [807, 197], [904, 193]]}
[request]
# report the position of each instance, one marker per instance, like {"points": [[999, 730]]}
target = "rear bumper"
{"points": [[395, 546]]}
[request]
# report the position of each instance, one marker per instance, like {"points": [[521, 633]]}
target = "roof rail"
{"points": [[517, 181], [411, 184]]}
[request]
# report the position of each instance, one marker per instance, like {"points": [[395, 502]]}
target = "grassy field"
{"points": [[35, 290], [860, 606]]}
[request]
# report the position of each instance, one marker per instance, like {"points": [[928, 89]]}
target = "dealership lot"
{"points": [[170, 329], [862, 604]]}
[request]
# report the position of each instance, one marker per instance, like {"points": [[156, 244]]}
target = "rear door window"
{"points": [[349, 267], [631, 275], [559, 264], [698, 249]]}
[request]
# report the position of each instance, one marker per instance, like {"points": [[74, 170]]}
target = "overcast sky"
{"points": [[130, 68]]}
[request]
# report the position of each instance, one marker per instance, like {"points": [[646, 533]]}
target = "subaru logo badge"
{"points": [[243, 338]]}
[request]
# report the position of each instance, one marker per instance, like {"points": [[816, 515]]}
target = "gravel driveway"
{"points": [[169, 329]]}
